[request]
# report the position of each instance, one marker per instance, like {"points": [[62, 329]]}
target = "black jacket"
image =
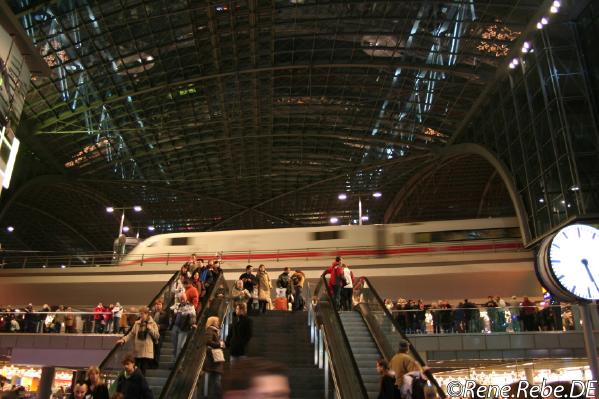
{"points": [[239, 335], [134, 387]]}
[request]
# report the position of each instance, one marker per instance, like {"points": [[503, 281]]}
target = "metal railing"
{"points": [[29, 260], [495, 319], [67, 322]]}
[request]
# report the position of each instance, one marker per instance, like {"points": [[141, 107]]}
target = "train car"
{"points": [[320, 242]]}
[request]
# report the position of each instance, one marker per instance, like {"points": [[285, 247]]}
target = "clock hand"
{"points": [[586, 266]]}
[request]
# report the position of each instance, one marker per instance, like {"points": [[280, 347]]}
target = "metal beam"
{"points": [[467, 73], [363, 168], [54, 218]]}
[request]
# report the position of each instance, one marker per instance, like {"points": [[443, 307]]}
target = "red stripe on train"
{"points": [[346, 252]]}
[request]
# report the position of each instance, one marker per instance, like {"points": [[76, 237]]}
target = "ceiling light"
{"points": [[137, 208], [377, 194], [10, 229], [544, 21], [125, 228], [553, 9], [574, 188], [365, 217], [151, 228], [539, 26], [512, 66], [526, 45], [334, 220], [542, 200], [109, 209], [342, 196], [515, 61], [63, 267]]}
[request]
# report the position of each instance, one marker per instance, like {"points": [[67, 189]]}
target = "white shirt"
{"points": [[347, 275]]}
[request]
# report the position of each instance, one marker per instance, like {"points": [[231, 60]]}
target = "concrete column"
{"points": [[44, 390], [529, 374]]}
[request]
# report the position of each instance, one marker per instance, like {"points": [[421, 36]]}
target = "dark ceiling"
{"points": [[249, 114]]}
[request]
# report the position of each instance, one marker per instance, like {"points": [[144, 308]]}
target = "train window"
{"points": [[327, 235], [176, 241], [467, 235]]}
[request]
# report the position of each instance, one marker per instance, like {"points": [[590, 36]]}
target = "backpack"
{"points": [[418, 386]]}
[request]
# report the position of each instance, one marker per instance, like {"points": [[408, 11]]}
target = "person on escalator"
{"points": [[240, 334], [131, 382], [387, 390], [403, 365], [336, 281], [143, 333], [184, 321]]}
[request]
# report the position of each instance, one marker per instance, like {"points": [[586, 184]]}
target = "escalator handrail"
{"points": [[354, 365], [413, 350], [200, 329], [118, 346]]}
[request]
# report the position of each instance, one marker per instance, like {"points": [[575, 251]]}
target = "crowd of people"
{"points": [[111, 319], [494, 315]]}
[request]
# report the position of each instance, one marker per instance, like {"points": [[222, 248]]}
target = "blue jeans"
{"points": [[179, 338]]}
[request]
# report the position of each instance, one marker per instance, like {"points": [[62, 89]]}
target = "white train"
{"points": [[311, 243]]}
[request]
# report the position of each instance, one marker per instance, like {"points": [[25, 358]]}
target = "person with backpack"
{"points": [[336, 281], [403, 365]]}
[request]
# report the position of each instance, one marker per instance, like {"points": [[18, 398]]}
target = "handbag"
{"points": [[218, 356]]}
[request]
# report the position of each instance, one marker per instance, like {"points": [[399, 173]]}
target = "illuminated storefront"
{"points": [[29, 377]]}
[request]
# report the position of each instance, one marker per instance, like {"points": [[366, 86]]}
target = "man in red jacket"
{"points": [[193, 296], [335, 281]]}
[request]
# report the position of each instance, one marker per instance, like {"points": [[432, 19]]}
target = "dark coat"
{"points": [[100, 392], [134, 387], [212, 342], [239, 335]]}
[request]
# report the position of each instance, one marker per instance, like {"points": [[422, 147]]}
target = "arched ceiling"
{"points": [[246, 114]]}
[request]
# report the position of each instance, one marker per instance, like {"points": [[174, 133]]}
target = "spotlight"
{"points": [[137, 208], [109, 209]]}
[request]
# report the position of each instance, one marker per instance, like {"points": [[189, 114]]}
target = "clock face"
{"points": [[573, 260]]}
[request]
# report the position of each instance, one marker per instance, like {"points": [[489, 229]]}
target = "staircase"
{"points": [[364, 350], [157, 377], [284, 337]]}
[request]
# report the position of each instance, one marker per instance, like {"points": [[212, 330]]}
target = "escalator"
{"points": [[188, 365], [361, 337]]}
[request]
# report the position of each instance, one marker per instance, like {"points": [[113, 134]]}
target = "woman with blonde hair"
{"points": [[95, 384], [215, 360], [264, 287], [144, 333]]}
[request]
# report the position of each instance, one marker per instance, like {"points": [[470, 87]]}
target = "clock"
{"points": [[568, 263]]}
